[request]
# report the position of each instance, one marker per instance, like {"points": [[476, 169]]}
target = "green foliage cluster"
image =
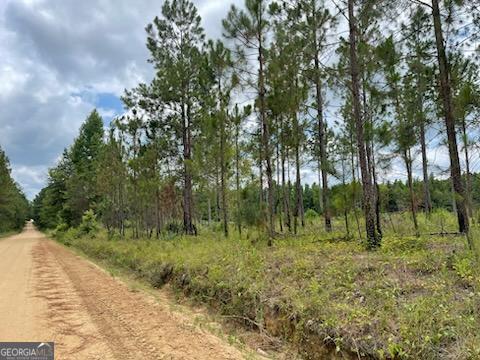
{"points": [[72, 184], [14, 206], [412, 298], [89, 225]]}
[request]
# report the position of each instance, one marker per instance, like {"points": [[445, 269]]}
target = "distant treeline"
{"points": [[14, 206], [394, 196], [97, 174]]}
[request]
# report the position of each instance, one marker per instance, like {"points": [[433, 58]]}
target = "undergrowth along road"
{"points": [[415, 297]]}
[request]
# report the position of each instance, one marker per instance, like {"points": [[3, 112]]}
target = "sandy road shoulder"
{"points": [[95, 316]]}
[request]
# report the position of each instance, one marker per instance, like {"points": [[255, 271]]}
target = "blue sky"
{"points": [[61, 59], [109, 105]]}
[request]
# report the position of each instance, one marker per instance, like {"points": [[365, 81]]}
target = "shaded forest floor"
{"points": [[414, 297]]}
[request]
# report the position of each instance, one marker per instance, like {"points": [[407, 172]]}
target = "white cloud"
{"points": [[32, 177], [56, 57], [106, 112], [10, 80]]}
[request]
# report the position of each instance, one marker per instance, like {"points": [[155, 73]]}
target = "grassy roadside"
{"points": [[193, 313], [414, 298], [6, 234]]}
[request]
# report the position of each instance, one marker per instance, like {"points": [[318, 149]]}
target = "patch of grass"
{"points": [[6, 234], [413, 298]]}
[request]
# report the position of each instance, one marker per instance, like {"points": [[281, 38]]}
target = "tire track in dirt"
{"points": [[95, 316], [50, 294], [75, 335], [21, 318]]}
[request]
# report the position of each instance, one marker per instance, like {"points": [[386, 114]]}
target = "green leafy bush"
{"points": [[311, 214], [61, 228], [89, 224], [463, 266]]}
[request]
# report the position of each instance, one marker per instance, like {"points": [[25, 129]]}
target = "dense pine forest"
{"points": [[14, 206], [286, 173]]}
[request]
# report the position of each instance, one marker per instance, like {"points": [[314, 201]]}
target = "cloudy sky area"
{"points": [[61, 59]]}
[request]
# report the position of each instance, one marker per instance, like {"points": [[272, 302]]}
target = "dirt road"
{"points": [[47, 293]]}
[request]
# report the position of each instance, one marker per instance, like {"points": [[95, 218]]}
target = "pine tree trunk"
{"points": [[217, 190], [298, 179], [370, 148], [158, 213], [426, 181], [354, 182], [188, 226], [427, 199], [321, 128], [135, 189], [260, 168], [223, 180], [279, 211], [320, 192], [237, 178], [209, 204], [286, 196], [468, 179], [376, 188], [289, 185], [373, 240], [446, 93], [265, 137], [408, 164], [345, 198], [296, 211]]}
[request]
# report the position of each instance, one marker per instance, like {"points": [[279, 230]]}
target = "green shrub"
{"points": [[311, 214], [463, 266], [443, 220], [68, 236], [89, 224], [60, 229]]}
